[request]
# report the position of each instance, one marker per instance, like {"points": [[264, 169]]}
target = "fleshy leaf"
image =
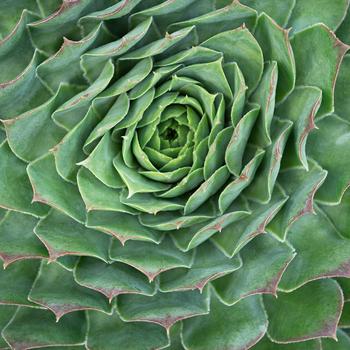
{"points": [[313, 48], [160, 257], [301, 191], [323, 254], [309, 312], [276, 47], [227, 327], [342, 94], [31, 328], [164, 309], [111, 279], [307, 13], [342, 342], [301, 107], [50, 188], [240, 46], [15, 190], [264, 261], [121, 226], [333, 155], [16, 282], [110, 332], [209, 264], [65, 296], [62, 236], [17, 239]]}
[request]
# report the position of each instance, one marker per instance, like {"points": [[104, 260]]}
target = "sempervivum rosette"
{"points": [[160, 169]]}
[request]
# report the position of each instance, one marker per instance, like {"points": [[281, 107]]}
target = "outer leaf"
{"points": [[121, 226], [159, 258], [307, 13], [15, 191], [323, 254], [66, 296], [209, 264], [276, 47], [164, 309], [333, 155], [313, 48], [37, 328], [227, 327], [342, 95], [111, 280], [17, 239], [310, 312], [63, 236], [302, 191], [264, 262], [110, 332], [50, 188], [16, 282], [342, 343]]}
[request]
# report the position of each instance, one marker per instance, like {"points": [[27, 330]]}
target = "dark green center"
{"points": [[170, 134]]}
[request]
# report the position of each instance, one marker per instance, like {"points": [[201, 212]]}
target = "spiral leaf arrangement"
{"points": [[167, 168]]}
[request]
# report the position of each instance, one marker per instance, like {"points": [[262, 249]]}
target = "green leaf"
{"points": [[69, 151], [164, 309], [227, 327], [313, 48], [221, 20], [342, 342], [149, 258], [343, 32], [276, 47], [33, 133], [211, 75], [265, 96], [6, 313], [207, 189], [12, 12], [267, 344], [135, 182], [342, 95], [280, 11], [235, 236], [333, 155], [93, 61], [309, 12], [111, 279], [17, 240], [66, 296], [208, 265], [100, 162], [98, 196], [264, 261], [74, 110], [110, 332], [26, 87], [148, 203], [263, 184], [323, 254], [15, 189], [170, 12], [301, 191], [54, 72], [240, 46], [16, 50], [192, 236], [338, 215], [63, 236], [121, 226], [311, 311], [16, 282], [301, 107], [50, 188], [234, 188], [37, 328]]}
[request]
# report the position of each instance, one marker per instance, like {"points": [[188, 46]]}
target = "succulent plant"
{"points": [[173, 174]]}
